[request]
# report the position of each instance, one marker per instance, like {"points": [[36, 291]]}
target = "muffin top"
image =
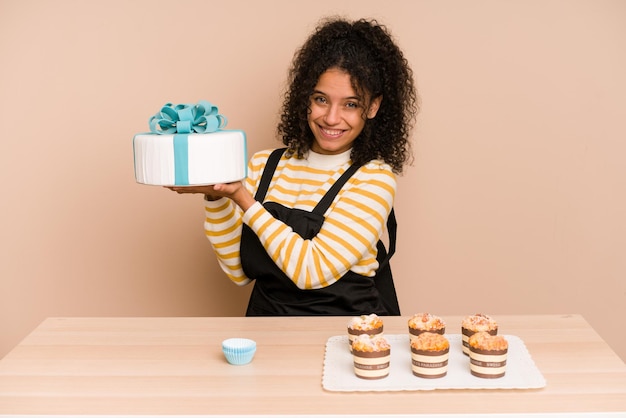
{"points": [[430, 341], [370, 344], [365, 322], [485, 341], [426, 321], [479, 322]]}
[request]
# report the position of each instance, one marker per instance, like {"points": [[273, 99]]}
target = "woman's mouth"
{"points": [[333, 133]]}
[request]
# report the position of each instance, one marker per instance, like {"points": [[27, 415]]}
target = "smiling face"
{"points": [[337, 113]]}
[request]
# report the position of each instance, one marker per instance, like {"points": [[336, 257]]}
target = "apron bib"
{"points": [[274, 294]]}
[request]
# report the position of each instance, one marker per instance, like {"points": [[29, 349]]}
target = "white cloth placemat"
{"points": [[338, 374]]}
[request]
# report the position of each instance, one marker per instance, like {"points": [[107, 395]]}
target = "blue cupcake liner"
{"points": [[238, 351]]}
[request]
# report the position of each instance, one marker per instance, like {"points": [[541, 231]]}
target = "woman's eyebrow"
{"points": [[357, 98]]}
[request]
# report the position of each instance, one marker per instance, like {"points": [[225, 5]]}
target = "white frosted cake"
{"points": [[186, 146]]}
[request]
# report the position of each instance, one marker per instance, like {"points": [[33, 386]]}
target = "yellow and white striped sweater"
{"points": [[347, 240]]}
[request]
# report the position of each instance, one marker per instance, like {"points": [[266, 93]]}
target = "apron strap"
{"points": [[324, 204], [268, 173]]}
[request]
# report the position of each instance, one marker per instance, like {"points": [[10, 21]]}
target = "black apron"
{"points": [[275, 294]]}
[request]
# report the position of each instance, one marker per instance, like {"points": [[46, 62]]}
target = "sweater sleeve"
{"points": [[223, 224], [347, 240], [222, 227]]}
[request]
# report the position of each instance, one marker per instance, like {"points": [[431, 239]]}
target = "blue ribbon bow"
{"points": [[182, 120], [202, 117]]}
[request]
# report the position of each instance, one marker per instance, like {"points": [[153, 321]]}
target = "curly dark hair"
{"points": [[377, 67]]}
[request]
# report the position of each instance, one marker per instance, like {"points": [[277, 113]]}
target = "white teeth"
{"points": [[332, 132]]}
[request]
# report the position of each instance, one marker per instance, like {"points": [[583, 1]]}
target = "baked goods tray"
{"points": [[338, 374]]}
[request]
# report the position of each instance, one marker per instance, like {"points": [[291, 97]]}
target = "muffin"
{"points": [[425, 322], [365, 324], [488, 355], [429, 355], [475, 323], [371, 355]]}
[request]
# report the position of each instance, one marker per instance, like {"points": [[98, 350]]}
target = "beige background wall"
{"points": [[515, 203]]}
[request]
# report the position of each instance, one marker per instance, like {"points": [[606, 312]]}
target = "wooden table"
{"points": [[174, 366]]}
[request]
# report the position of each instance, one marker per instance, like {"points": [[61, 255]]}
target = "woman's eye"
{"points": [[319, 99], [352, 105]]}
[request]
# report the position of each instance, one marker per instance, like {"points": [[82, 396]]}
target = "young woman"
{"points": [[309, 248]]}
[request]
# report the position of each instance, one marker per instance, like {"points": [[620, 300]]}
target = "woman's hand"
{"points": [[235, 191]]}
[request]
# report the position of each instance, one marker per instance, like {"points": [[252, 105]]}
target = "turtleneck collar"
{"points": [[325, 161]]}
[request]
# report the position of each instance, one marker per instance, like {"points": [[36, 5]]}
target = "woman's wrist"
{"points": [[244, 199]]}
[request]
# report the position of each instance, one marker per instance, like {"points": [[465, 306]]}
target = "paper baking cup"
{"points": [[429, 364], [371, 365], [488, 364], [239, 351]]}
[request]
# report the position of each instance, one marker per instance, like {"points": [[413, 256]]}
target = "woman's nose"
{"points": [[332, 116]]}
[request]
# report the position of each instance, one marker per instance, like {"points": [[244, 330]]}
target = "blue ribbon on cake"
{"points": [[182, 120]]}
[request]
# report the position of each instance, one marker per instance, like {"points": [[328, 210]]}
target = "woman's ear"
{"points": [[374, 106]]}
